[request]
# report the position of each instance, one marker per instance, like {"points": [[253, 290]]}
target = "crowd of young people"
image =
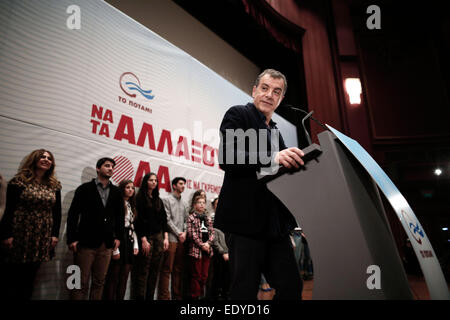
{"points": [[114, 234]]}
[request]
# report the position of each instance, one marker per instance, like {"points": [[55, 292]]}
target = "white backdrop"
{"points": [[111, 88]]}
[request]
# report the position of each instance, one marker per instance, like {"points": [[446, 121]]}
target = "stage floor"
{"points": [[417, 285]]}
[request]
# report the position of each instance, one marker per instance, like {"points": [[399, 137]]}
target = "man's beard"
{"points": [[179, 190], [104, 176]]}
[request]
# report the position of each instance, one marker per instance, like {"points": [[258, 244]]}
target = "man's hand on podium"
{"points": [[290, 157]]}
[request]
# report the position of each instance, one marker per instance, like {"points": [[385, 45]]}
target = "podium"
{"points": [[338, 206]]}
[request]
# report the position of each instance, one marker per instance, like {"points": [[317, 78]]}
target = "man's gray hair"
{"points": [[274, 74]]}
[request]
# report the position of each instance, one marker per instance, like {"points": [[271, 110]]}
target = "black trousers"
{"points": [[220, 286], [250, 257]]}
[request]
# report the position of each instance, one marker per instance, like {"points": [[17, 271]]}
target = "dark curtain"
{"points": [[284, 31]]}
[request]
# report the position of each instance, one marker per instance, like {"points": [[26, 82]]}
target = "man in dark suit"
{"points": [[257, 224], [94, 226]]}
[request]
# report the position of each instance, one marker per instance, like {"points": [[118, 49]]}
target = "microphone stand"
{"points": [[304, 128], [308, 115]]}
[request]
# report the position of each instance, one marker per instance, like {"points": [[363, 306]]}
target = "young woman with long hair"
{"points": [[123, 258], [152, 232], [29, 229]]}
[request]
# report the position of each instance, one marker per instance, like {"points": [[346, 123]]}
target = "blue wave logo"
{"points": [[129, 84], [414, 228], [134, 86]]}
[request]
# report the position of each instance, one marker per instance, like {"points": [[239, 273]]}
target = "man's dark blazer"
{"points": [[89, 222], [245, 205]]}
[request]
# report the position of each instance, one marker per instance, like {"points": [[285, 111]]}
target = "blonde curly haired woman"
{"points": [[29, 229]]}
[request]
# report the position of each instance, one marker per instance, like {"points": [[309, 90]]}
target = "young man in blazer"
{"points": [[94, 226], [257, 224]]}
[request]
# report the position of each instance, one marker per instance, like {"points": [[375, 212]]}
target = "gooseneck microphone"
{"points": [[311, 152], [308, 115]]}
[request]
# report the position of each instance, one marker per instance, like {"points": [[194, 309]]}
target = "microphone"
{"points": [[312, 151], [308, 115]]}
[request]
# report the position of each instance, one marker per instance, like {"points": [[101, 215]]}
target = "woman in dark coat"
{"points": [[153, 237], [123, 257]]}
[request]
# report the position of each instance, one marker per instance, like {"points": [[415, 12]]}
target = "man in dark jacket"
{"points": [[256, 222], [94, 226]]}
